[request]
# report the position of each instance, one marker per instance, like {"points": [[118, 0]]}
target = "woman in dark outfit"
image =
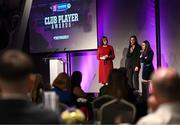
{"points": [[133, 63], [147, 60]]}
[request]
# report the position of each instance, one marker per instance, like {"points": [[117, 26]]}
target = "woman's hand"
{"points": [[136, 69], [104, 57]]}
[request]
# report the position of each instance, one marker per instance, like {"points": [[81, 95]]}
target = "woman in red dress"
{"points": [[105, 55]]}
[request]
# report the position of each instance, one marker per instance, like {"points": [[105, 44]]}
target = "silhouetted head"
{"points": [[118, 83], [15, 66], [76, 78], [166, 84]]}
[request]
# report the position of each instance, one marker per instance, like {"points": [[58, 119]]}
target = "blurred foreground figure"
{"points": [[165, 99], [15, 105], [73, 116]]}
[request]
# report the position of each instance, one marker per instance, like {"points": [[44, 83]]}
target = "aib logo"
{"points": [[60, 7]]}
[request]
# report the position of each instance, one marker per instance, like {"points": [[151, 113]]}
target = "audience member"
{"points": [[37, 88], [166, 99], [77, 91], [118, 85], [61, 85], [15, 70], [81, 98]]}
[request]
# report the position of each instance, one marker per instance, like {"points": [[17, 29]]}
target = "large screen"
{"points": [[63, 25]]}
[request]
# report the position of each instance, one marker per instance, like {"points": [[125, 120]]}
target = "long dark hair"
{"points": [[118, 83], [36, 93], [76, 79], [104, 37], [136, 41], [147, 47]]}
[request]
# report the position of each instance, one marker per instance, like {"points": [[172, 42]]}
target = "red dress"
{"points": [[105, 66]]}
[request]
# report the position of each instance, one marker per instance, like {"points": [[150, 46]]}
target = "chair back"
{"points": [[97, 103], [117, 111]]}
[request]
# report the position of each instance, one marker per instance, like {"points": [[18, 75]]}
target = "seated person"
{"points": [[36, 88], [165, 99], [80, 97], [15, 106], [77, 91], [61, 87], [118, 86]]}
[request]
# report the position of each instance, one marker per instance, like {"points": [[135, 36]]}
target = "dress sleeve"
{"points": [[112, 55], [149, 57], [98, 54]]}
